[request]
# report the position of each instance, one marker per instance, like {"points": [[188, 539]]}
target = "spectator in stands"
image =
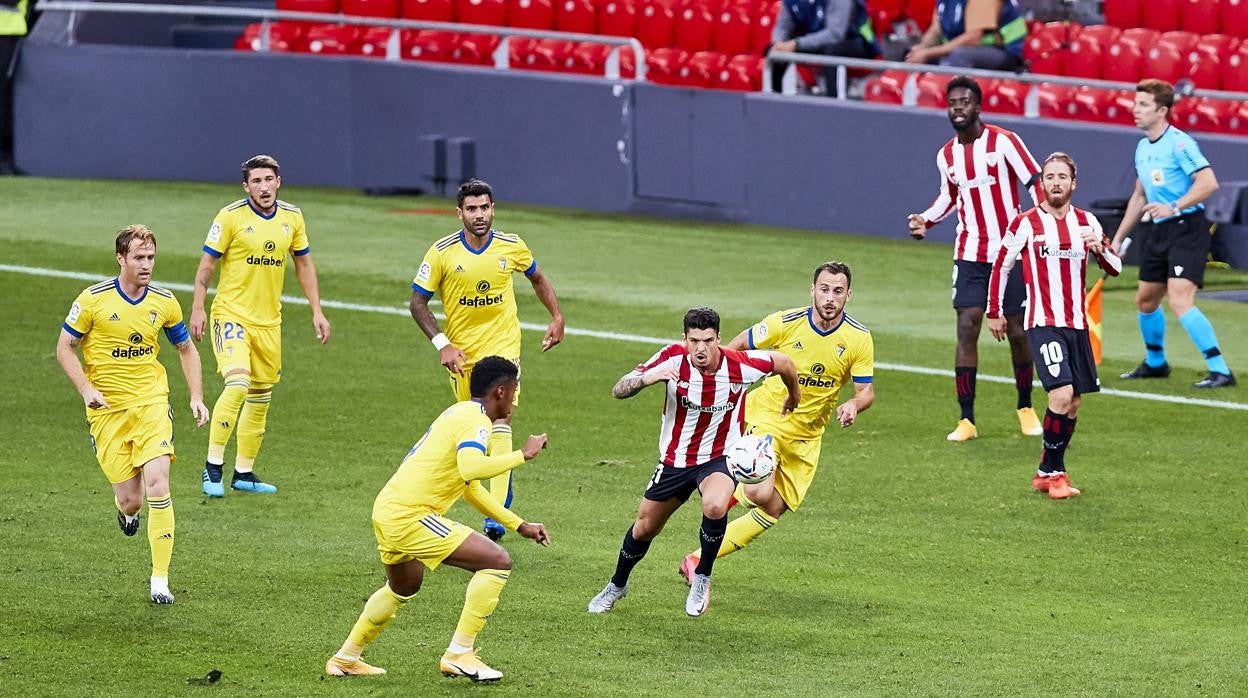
{"points": [[828, 27], [986, 34], [12, 29]]}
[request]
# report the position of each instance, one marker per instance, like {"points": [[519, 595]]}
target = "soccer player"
{"points": [[1055, 240], [978, 167], [252, 237], [117, 323], [1174, 180], [413, 533], [829, 350], [702, 417], [471, 270]]}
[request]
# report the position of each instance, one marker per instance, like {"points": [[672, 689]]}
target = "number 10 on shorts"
{"points": [[1053, 357]]}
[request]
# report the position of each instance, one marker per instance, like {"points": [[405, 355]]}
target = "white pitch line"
{"points": [[637, 338]]}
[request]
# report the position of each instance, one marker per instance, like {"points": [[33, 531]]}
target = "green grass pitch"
{"points": [[916, 567]]}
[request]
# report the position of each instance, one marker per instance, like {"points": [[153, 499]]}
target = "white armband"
{"points": [[439, 341]]}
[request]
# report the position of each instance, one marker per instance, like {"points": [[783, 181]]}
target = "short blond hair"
{"points": [[260, 162], [127, 236], [1059, 156]]}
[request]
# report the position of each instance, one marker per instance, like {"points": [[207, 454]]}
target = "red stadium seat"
{"points": [[887, 87], [1118, 107], [326, 6], [1125, 59], [1165, 63], [1123, 14], [1005, 96], [1181, 40], [556, 55], [701, 69], [764, 25], [332, 39], [731, 31], [617, 18], [742, 73], [1162, 15], [475, 49], [283, 37], [1085, 59], [531, 14], [374, 40], [385, 9], [694, 26], [1201, 16], [1235, 18], [1235, 70], [489, 12], [921, 12], [884, 13], [931, 88], [575, 16], [1056, 101], [1043, 49], [1238, 121], [591, 59], [429, 10], [656, 23], [1103, 34], [1094, 104], [426, 45], [1211, 115], [663, 64]]}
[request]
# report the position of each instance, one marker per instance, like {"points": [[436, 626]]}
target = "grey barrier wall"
{"points": [[135, 112]]}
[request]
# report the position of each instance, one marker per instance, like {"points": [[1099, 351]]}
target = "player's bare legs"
{"points": [[153, 485], [716, 490], [652, 516]]}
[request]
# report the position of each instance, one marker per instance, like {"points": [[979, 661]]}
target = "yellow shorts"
{"points": [[257, 350], [417, 535], [460, 385], [125, 440], [796, 463]]}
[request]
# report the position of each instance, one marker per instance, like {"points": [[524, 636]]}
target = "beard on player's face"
{"points": [[1057, 199]]}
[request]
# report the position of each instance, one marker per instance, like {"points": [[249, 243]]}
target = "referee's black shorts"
{"points": [[1176, 249]]}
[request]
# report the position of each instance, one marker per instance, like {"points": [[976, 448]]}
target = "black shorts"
{"points": [[668, 482], [1176, 249], [1064, 357], [970, 287]]}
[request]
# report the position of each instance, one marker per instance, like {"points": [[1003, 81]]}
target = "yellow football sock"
{"points": [[479, 602], [739, 495], [225, 416], [744, 529], [500, 443], [251, 428], [160, 533], [378, 612]]}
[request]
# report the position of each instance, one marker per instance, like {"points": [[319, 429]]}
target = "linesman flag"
{"points": [[1092, 308]]}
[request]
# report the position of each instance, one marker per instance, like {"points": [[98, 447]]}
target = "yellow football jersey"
{"points": [[477, 292], [429, 476], [120, 342], [825, 361], [253, 249]]}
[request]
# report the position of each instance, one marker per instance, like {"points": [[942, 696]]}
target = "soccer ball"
{"points": [[751, 459]]}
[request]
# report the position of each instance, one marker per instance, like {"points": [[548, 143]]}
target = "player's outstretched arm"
{"points": [[67, 357], [783, 367], [632, 382], [305, 271], [203, 277], [192, 370], [741, 342], [546, 294], [535, 532]]}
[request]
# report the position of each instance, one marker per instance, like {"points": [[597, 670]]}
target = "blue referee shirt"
{"points": [[1165, 168]]}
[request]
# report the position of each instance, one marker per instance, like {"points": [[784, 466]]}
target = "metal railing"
{"points": [[393, 49], [910, 91]]}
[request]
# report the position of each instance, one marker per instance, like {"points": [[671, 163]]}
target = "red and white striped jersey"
{"points": [[978, 178], [703, 412], [1055, 266]]}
